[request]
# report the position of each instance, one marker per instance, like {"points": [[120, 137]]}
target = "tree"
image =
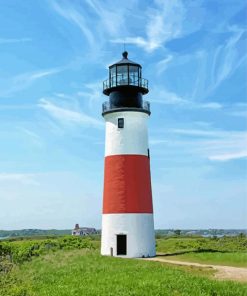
{"points": [[177, 231]]}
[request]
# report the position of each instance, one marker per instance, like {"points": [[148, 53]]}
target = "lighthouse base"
{"points": [[128, 235]]}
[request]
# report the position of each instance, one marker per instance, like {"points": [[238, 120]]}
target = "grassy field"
{"points": [[230, 259], [73, 266], [171, 245], [230, 251], [82, 272]]}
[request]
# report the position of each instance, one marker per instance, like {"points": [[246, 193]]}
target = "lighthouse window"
{"points": [[120, 123], [113, 76], [133, 75], [122, 75]]}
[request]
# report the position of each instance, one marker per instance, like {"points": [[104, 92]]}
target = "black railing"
{"points": [[120, 81], [107, 106]]}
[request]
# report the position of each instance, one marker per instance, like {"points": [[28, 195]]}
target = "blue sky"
{"points": [[54, 56]]}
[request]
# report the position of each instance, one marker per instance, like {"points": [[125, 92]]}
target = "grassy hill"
{"points": [[72, 266]]}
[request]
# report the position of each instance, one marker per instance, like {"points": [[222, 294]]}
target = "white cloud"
{"points": [[32, 137], [195, 132], [14, 40], [98, 21], [111, 17], [229, 156], [73, 15], [164, 23], [242, 113], [238, 109], [217, 64], [26, 179], [24, 80], [213, 144], [230, 58], [163, 64], [28, 78], [68, 116], [166, 97], [92, 93], [163, 96], [210, 105]]}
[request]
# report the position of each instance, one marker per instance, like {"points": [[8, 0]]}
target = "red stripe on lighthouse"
{"points": [[127, 184]]}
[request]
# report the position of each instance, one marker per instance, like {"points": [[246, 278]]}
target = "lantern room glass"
{"points": [[113, 76], [134, 75], [122, 75], [125, 74]]}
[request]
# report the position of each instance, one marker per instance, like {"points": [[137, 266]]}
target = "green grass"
{"points": [[85, 272], [230, 251], [229, 259], [180, 245], [20, 251], [72, 266]]}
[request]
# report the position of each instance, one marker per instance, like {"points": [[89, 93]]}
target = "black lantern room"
{"points": [[125, 87]]}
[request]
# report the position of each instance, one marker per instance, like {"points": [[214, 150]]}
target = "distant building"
{"points": [[83, 231]]}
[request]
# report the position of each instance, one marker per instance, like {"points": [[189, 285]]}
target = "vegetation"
{"points": [[33, 232], [23, 250], [72, 266], [84, 272], [174, 245], [217, 258], [230, 251]]}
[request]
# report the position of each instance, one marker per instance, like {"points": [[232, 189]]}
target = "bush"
{"points": [[21, 251]]}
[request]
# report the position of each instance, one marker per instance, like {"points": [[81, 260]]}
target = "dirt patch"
{"points": [[222, 272]]}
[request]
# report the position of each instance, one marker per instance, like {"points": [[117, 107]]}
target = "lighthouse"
{"points": [[127, 220]]}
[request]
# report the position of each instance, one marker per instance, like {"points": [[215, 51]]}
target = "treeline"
{"points": [[200, 232], [33, 232]]}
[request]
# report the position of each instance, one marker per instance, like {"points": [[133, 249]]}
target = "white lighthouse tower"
{"points": [[127, 222]]}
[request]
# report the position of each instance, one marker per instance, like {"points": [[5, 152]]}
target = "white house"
{"points": [[82, 231]]}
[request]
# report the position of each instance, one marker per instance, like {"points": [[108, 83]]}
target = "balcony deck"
{"points": [[107, 107], [116, 82]]}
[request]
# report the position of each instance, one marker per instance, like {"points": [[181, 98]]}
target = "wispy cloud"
{"points": [[32, 137], [197, 132], [242, 113], [229, 156], [27, 78], [218, 63], [92, 93], [24, 80], [97, 21], [230, 58], [68, 116], [14, 40], [162, 65], [238, 110], [112, 22], [209, 105], [73, 15], [163, 96], [164, 23], [213, 144], [26, 179]]}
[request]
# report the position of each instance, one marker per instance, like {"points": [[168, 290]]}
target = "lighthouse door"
{"points": [[121, 244]]}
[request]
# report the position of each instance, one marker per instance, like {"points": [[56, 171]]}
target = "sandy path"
{"points": [[222, 272]]}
